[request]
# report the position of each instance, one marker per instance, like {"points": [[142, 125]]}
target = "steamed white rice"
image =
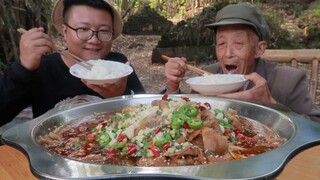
{"points": [[218, 79], [101, 70]]}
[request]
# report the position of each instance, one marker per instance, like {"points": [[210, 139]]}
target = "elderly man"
{"points": [[241, 34]]}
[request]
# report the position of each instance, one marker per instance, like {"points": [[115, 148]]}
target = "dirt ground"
{"points": [[138, 49]]}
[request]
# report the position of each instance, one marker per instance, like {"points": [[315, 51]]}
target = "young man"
{"points": [[241, 34], [41, 78]]}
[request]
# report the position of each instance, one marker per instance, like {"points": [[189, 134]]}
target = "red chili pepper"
{"points": [[155, 151], [91, 136], [186, 125], [241, 137], [165, 96], [227, 131], [186, 99], [166, 146], [121, 137], [65, 152], [69, 134], [99, 122], [82, 128], [131, 149], [237, 131], [251, 142], [112, 159], [157, 130], [86, 145], [82, 154], [200, 108], [111, 152]]}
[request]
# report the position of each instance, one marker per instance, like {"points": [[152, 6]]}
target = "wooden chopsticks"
{"points": [[75, 58], [190, 67], [66, 54]]}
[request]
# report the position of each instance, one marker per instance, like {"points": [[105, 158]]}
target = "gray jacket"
{"points": [[288, 86]]}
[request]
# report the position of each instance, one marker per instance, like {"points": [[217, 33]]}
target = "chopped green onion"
{"points": [[159, 112], [170, 150], [127, 115], [195, 123], [118, 145], [116, 117]]}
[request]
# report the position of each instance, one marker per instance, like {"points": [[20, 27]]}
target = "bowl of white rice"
{"points": [[102, 71], [217, 83]]}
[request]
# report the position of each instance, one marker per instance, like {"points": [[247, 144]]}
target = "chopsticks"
{"points": [[66, 54], [190, 67], [75, 58]]}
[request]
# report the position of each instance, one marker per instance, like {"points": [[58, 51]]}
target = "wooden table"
{"points": [[306, 165]]}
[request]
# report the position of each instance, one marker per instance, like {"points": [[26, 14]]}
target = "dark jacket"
{"points": [[48, 85]]}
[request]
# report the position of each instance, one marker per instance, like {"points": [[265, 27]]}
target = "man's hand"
{"points": [[33, 44], [259, 92], [174, 71]]}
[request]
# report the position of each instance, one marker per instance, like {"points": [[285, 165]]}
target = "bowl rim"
{"points": [[243, 79], [128, 71]]}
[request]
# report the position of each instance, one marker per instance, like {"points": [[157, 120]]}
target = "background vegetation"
{"points": [[15, 14], [293, 23]]}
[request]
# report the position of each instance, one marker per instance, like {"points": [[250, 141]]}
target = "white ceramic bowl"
{"points": [[102, 72], [217, 83]]}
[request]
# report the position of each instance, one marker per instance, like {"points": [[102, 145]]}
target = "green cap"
{"points": [[242, 13]]}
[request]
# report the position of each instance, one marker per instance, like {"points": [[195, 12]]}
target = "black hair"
{"points": [[98, 4]]}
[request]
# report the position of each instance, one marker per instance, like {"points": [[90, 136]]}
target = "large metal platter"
{"points": [[300, 132]]}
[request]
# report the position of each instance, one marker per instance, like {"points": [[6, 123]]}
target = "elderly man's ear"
{"points": [[262, 46]]}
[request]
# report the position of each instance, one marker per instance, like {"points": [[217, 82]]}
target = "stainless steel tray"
{"points": [[300, 132]]}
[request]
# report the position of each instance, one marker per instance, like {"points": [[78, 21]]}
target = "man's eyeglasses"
{"points": [[86, 33]]}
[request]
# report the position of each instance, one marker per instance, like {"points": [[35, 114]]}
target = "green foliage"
{"points": [[16, 14], [181, 12], [177, 8], [192, 32], [146, 21], [316, 11], [279, 37], [309, 24]]}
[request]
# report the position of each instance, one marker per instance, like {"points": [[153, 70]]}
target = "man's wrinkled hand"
{"points": [[175, 70], [259, 92]]}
